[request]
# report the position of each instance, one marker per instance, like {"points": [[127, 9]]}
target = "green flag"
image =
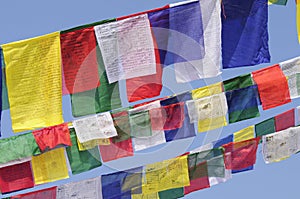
{"points": [[265, 127], [81, 161], [18, 147], [171, 193], [242, 81], [140, 124]]}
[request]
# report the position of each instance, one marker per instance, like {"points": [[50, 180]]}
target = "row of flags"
{"points": [[198, 169], [87, 62]]}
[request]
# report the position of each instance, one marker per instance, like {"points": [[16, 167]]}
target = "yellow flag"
{"points": [[207, 91], [166, 175], [211, 123], [244, 134], [145, 196], [50, 166], [33, 75], [91, 144], [298, 19]]}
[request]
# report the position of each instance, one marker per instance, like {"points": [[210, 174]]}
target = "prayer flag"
{"points": [[81, 161], [49, 193], [171, 193], [121, 122], [281, 145], [235, 83], [92, 144], [22, 146], [79, 60], [103, 98], [16, 177], [216, 171], [140, 124], [116, 184], [52, 137], [285, 120], [95, 127], [187, 130], [239, 46], [90, 188], [223, 141], [207, 91], [242, 104], [291, 69], [50, 166], [168, 174], [116, 150], [244, 134], [33, 75], [265, 127], [240, 155], [145, 196], [269, 81], [155, 139]]}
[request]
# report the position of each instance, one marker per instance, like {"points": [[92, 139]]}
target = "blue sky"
{"points": [[26, 19]]}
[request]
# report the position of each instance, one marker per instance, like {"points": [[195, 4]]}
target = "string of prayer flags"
{"points": [[265, 127], [186, 30], [116, 150], [33, 75], [90, 188], [94, 127], [127, 48], [278, 2], [81, 161], [269, 81], [116, 185], [79, 60], [240, 47], [52, 137], [244, 134], [242, 81], [50, 166], [240, 155], [49, 193], [285, 120], [207, 91], [22, 146], [168, 174], [171, 193], [291, 69], [242, 104], [16, 177], [187, 129], [281, 145]]}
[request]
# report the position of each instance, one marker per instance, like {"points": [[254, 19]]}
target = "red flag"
{"points": [[285, 120], [240, 155], [51, 137], [116, 150], [79, 59], [49, 193], [16, 177], [272, 86]]}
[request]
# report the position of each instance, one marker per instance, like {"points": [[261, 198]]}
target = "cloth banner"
{"points": [[241, 47], [168, 174], [281, 145], [269, 81], [33, 75], [242, 81], [265, 127], [81, 161], [50, 166], [121, 122], [49, 193], [92, 144], [242, 104], [187, 130], [116, 150], [16, 177], [223, 141], [52, 137], [171, 193], [244, 134], [90, 188], [241, 155], [207, 91], [120, 183], [140, 124], [206, 48], [79, 60], [291, 69], [94, 127], [285, 120], [22, 146]]}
